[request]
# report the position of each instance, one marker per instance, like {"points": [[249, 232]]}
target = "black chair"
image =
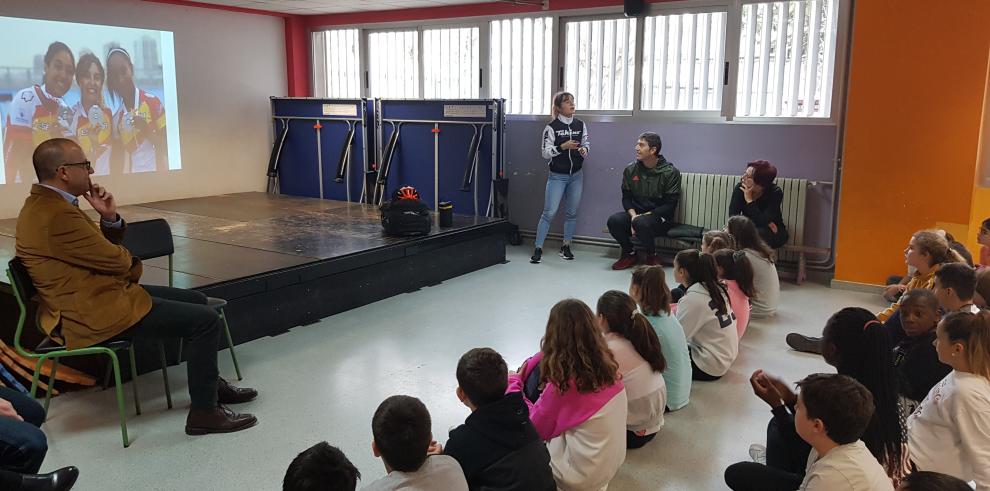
{"points": [[151, 239]]}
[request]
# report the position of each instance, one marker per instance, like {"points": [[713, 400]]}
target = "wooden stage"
{"points": [[284, 261]]}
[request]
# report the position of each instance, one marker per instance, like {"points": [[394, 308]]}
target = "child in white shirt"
{"points": [[706, 316], [950, 430]]}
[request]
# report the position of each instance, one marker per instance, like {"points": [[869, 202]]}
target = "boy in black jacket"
{"points": [[915, 357], [497, 446]]}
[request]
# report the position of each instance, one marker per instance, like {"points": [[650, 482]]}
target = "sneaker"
{"points": [[625, 262], [758, 453], [565, 252], [537, 256], [805, 344]]}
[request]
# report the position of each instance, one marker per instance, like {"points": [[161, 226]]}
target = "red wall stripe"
{"points": [[297, 57]]}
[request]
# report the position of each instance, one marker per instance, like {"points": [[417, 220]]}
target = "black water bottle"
{"points": [[446, 211]]}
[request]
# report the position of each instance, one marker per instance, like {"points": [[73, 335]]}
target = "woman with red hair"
{"points": [[758, 198]]}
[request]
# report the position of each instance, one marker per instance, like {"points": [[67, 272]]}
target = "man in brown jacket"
{"points": [[88, 284]]}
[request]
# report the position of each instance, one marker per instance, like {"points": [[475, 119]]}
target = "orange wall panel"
{"points": [[915, 102]]}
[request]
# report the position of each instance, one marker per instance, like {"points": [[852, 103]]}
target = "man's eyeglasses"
{"points": [[87, 165]]}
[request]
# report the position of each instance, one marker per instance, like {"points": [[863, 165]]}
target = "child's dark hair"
{"points": [[700, 268], [717, 240], [736, 267], [863, 352], [920, 294], [842, 403], [973, 331], [483, 376], [574, 350], [986, 224], [654, 294], [558, 100], [747, 237], [619, 310], [319, 468], [958, 276], [401, 428], [960, 249], [933, 481]]}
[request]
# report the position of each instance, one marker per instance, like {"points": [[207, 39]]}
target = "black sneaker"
{"points": [[537, 256], [805, 344], [565, 252]]}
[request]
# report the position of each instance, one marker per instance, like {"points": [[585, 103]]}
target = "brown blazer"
{"points": [[87, 283]]}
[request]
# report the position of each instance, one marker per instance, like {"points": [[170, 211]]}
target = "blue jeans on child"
{"points": [[22, 443], [561, 186]]}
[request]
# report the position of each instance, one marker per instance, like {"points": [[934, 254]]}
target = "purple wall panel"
{"points": [[798, 151]]}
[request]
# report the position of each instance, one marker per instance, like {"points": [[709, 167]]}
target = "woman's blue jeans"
{"points": [[566, 187]]}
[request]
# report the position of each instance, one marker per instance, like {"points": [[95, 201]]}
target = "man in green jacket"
{"points": [[651, 189]]}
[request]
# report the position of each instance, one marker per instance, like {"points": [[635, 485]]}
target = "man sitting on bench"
{"points": [[651, 189]]}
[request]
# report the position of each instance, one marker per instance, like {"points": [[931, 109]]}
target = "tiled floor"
{"points": [[324, 381]]}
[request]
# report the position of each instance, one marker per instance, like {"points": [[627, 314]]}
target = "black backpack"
{"points": [[406, 217]]}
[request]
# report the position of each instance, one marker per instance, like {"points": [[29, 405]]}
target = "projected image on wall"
{"points": [[110, 89]]}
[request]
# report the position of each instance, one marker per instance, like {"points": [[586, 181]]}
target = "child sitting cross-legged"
{"points": [[497, 446]]}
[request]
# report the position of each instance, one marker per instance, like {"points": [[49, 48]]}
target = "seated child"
{"points": [[497, 446], [319, 468], [713, 240], [955, 285], [649, 288], [735, 271], [950, 430], [832, 414], [580, 404], [706, 316], [983, 238], [636, 349], [404, 441], [918, 368]]}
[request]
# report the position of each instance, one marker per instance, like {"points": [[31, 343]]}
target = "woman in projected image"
{"points": [[38, 113], [139, 120], [92, 120]]}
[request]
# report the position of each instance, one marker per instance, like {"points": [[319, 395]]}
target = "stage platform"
{"points": [[284, 261]]}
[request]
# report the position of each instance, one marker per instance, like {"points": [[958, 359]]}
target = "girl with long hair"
{"points": [[705, 315], [649, 289], [735, 271], [762, 260], [636, 349], [576, 398]]}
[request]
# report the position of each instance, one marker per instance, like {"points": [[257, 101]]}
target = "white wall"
{"points": [[227, 66]]}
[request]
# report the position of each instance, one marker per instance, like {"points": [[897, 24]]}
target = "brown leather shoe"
{"points": [[228, 394], [217, 420], [625, 262]]}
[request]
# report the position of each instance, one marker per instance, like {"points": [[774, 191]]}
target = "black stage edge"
{"points": [[271, 303]]}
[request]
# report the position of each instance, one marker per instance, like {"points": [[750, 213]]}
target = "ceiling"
{"points": [[309, 7]]}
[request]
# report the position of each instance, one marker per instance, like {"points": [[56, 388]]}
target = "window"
{"points": [[683, 61], [599, 60], [450, 63], [520, 63], [393, 64], [339, 65], [786, 59]]}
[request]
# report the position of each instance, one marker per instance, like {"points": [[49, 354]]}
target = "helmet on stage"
{"points": [[406, 192]]}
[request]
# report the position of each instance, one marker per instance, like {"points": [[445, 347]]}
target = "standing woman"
{"points": [[759, 199], [92, 118], [38, 113], [139, 121], [565, 145]]}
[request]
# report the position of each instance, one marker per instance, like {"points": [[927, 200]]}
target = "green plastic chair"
{"points": [[24, 290], [149, 239]]}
